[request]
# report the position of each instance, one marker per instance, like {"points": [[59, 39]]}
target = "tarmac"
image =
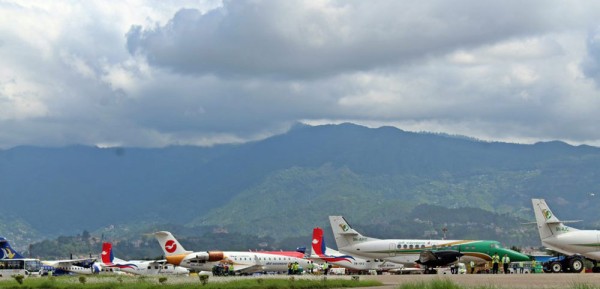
{"points": [[543, 280]]}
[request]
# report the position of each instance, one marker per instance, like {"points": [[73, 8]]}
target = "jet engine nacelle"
{"points": [[210, 256]]}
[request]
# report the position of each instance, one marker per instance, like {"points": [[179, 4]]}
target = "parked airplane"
{"points": [[428, 253], [86, 266], [243, 262], [320, 251], [11, 259], [576, 244], [138, 267]]}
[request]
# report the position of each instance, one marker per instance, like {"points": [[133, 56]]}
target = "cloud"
{"points": [[591, 64], [304, 39], [147, 73]]}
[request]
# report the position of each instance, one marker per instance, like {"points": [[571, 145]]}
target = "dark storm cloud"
{"points": [[591, 65], [293, 39]]}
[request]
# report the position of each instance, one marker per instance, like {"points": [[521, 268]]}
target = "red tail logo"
{"points": [[106, 253], [170, 246], [317, 242]]}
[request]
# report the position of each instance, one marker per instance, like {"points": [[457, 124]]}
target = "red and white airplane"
{"points": [[243, 262], [156, 267], [320, 251]]}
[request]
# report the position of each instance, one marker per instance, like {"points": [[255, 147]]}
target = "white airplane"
{"points": [[320, 251], [427, 253], [86, 266], [109, 262], [243, 262], [575, 244]]}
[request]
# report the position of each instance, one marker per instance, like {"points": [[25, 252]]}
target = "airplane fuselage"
{"points": [[407, 251], [148, 268], [584, 242], [247, 262]]}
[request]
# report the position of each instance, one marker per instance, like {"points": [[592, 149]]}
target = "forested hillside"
{"points": [[283, 186]]}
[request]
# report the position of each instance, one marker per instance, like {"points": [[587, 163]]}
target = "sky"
{"points": [[158, 73]]}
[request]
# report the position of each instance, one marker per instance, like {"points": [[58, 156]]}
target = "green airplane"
{"points": [[428, 253]]}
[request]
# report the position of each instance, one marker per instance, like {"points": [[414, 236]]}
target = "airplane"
{"points": [[574, 243], [137, 267], [243, 262], [9, 258], [320, 251], [427, 253], [85, 266]]}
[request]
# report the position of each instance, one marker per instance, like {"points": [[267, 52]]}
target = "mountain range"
{"points": [[386, 180]]}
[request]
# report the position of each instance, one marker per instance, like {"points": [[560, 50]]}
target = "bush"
{"points": [[82, 279], [203, 279], [162, 280], [19, 278]]}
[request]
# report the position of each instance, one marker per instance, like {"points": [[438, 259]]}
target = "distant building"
{"points": [[220, 230]]}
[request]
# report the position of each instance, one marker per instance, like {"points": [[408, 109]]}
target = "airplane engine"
{"points": [[215, 256], [96, 268]]}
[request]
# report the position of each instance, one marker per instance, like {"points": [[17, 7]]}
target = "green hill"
{"points": [[283, 186]]}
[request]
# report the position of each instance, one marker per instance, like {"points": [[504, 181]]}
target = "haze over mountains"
{"points": [[285, 185]]}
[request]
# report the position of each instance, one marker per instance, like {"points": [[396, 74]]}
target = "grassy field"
{"points": [[112, 282], [448, 284]]}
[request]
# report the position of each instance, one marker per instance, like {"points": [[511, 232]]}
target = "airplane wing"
{"points": [[70, 262], [438, 258]]}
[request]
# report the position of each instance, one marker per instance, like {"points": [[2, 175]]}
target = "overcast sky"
{"points": [[157, 73]]}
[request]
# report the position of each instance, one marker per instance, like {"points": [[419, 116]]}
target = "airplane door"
{"points": [[392, 249]]}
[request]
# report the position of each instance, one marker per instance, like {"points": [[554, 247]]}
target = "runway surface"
{"points": [[545, 281]]}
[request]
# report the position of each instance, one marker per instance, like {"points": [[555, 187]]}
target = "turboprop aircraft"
{"points": [[556, 236], [243, 262], [428, 253], [155, 267], [320, 251], [11, 259]]}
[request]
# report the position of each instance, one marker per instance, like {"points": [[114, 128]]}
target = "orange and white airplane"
{"points": [[243, 262]]}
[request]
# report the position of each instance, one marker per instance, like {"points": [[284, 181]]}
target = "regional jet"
{"points": [[243, 262]]}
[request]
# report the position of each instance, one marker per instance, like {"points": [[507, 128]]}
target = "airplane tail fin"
{"points": [[318, 243], [548, 224], [107, 256], [169, 244], [344, 234], [7, 252], [321, 251]]}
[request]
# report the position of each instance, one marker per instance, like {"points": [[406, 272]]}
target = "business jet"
{"points": [[556, 236], [427, 253], [243, 262], [155, 267], [320, 252]]}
